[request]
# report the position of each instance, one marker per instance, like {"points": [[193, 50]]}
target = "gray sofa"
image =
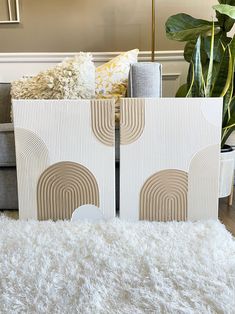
{"points": [[8, 182]]}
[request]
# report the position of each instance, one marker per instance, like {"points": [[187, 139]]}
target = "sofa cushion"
{"points": [[5, 102], [145, 80], [7, 145], [8, 188]]}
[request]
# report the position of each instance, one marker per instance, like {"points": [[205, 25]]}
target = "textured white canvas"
{"points": [[169, 157], [63, 134]]}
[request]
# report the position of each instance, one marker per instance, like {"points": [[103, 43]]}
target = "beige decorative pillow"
{"points": [[112, 77], [71, 79]]}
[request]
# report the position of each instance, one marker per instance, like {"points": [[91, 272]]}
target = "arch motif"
{"points": [[163, 196], [132, 120], [62, 188], [102, 120], [32, 159], [31, 147], [203, 183]]}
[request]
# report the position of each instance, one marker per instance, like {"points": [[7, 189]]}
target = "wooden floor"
{"points": [[227, 214]]}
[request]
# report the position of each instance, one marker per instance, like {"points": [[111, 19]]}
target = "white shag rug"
{"points": [[116, 267]]}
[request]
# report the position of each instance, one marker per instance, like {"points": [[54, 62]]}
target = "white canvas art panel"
{"points": [[65, 157], [170, 158]]}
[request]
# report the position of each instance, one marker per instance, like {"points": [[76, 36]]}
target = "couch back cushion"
{"points": [[5, 102]]}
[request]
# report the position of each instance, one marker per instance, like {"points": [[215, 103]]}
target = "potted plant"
{"points": [[211, 54], [185, 28]]}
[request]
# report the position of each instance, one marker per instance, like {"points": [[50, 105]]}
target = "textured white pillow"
{"points": [[72, 79]]}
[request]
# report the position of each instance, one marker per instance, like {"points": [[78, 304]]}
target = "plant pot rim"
{"points": [[226, 149]]}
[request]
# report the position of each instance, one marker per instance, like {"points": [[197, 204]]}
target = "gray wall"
{"points": [[94, 25]]}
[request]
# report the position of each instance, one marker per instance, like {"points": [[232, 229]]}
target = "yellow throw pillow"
{"points": [[112, 77]]}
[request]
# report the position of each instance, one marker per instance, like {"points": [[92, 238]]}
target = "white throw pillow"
{"points": [[71, 79]]}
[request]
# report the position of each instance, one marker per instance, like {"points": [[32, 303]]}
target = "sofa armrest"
{"points": [[6, 127], [7, 145], [145, 80]]}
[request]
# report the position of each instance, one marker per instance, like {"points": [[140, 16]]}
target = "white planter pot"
{"points": [[231, 142], [226, 173], [231, 139]]}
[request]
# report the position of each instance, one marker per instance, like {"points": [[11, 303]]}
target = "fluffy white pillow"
{"points": [[72, 79]]}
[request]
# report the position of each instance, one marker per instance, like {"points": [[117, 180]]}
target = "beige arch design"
{"points": [[33, 159], [102, 120], [163, 196], [132, 120], [62, 188], [203, 187], [31, 147]]}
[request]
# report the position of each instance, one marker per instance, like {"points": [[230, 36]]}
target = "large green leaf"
{"points": [[232, 47], [210, 67], [227, 102], [189, 50], [226, 9], [198, 86], [190, 75], [182, 91], [225, 22], [226, 133], [227, 109], [230, 127], [224, 75], [191, 84], [231, 121], [183, 27], [230, 2], [219, 39]]}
